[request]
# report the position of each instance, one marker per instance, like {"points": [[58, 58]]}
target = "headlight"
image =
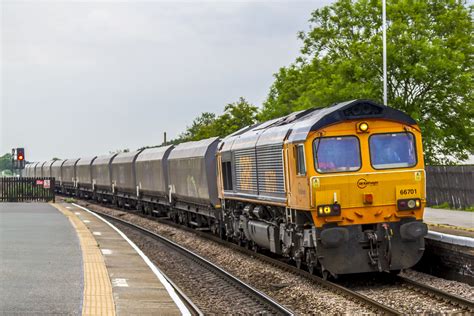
{"points": [[329, 210], [362, 127], [408, 204]]}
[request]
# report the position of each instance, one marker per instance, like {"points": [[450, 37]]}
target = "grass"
{"points": [[446, 205], [70, 200]]}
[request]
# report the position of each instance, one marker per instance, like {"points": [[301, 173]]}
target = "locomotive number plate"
{"points": [[405, 191]]}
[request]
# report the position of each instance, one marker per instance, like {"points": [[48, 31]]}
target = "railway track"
{"points": [[376, 305], [331, 286], [423, 289], [206, 276], [455, 300], [461, 303]]}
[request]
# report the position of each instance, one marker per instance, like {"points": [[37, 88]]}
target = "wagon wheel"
{"points": [[255, 247], [298, 262], [325, 274]]}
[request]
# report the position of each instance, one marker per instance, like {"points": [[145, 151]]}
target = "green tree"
{"points": [[236, 116], [6, 162], [201, 127], [430, 60]]}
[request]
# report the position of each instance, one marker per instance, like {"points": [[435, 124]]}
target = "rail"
{"points": [[455, 300]]}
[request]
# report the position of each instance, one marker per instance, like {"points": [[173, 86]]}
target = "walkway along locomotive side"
{"points": [[340, 189]]}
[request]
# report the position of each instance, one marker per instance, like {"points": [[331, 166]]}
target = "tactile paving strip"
{"points": [[98, 297]]}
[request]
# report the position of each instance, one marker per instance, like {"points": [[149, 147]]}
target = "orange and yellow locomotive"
{"points": [[340, 189]]}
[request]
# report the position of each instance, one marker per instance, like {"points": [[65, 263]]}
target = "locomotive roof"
{"points": [[299, 124]]}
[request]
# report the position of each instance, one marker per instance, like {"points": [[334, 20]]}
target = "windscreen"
{"points": [[337, 154], [395, 150]]}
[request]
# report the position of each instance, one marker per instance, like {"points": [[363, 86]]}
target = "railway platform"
{"points": [[449, 245], [61, 259], [458, 223]]}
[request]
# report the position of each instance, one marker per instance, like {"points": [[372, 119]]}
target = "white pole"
{"points": [[384, 40]]}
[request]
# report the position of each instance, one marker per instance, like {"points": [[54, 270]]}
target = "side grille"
{"points": [[270, 170], [260, 171], [245, 171]]}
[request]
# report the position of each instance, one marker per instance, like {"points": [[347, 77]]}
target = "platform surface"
{"points": [[449, 217], [451, 222], [40, 261], [136, 289]]}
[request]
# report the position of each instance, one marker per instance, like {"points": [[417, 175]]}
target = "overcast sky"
{"points": [[82, 78]]}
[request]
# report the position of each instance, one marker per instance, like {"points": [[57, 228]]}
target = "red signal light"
{"points": [[20, 154]]}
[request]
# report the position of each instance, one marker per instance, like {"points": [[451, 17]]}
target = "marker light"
{"points": [[362, 127], [368, 198]]}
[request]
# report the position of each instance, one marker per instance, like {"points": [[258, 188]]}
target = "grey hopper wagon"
{"points": [[41, 166], [84, 173], [192, 172], [123, 173], [37, 170], [151, 167], [101, 178], [68, 172], [56, 170], [47, 169], [29, 170]]}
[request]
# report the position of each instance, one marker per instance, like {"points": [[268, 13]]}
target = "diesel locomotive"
{"points": [[339, 189]]}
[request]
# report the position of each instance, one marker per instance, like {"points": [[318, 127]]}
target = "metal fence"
{"points": [[450, 184], [14, 189]]}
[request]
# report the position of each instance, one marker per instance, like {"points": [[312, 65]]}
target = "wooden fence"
{"points": [[451, 184]]}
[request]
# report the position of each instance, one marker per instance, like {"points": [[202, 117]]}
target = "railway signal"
{"points": [[18, 158]]}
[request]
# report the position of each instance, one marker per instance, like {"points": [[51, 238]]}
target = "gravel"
{"points": [[453, 287]]}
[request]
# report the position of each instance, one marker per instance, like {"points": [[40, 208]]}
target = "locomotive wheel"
{"points": [[222, 234], [311, 261]]}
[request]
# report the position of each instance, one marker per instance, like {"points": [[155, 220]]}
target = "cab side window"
{"points": [[300, 160]]}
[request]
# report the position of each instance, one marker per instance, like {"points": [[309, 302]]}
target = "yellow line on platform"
{"points": [[98, 296], [467, 229]]}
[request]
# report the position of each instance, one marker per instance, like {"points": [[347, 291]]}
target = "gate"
{"points": [[27, 189]]}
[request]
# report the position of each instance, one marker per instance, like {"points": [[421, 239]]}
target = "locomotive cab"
{"points": [[364, 184]]}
